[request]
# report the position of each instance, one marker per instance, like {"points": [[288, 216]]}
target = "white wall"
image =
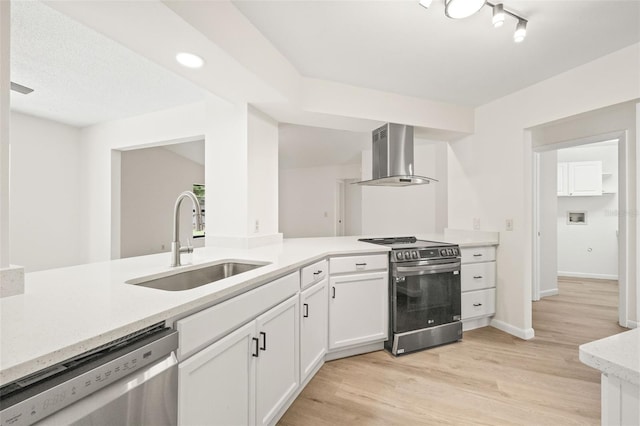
{"points": [[490, 172], [307, 199], [5, 46], [393, 211], [590, 250], [45, 193], [181, 123], [151, 180], [263, 174], [548, 225]]}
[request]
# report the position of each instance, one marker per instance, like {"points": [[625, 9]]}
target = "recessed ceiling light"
{"points": [[189, 60]]}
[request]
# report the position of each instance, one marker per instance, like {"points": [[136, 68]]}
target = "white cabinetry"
{"points": [[581, 178], [217, 385], [478, 282], [313, 327], [358, 301], [248, 376], [277, 371]]}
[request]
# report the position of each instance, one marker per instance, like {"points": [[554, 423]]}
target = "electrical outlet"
{"points": [[509, 224], [256, 229], [476, 223]]}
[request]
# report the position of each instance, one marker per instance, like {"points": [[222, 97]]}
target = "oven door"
{"points": [[425, 294]]}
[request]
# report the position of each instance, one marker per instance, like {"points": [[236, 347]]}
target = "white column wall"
{"points": [[263, 177], [5, 84], [490, 174]]}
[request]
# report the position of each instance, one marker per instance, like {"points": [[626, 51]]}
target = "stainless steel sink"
{"points": [[193, 278]]}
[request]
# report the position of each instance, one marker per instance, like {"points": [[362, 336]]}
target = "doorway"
{"points": [[579, 188], [348, 207]]}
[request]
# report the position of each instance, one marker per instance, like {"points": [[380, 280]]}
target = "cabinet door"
{"points": [[313, 327], [585, 178], [216, 385], [277, 366], [358, 309]]}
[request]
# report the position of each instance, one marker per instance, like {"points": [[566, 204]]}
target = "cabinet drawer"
{"points": [[341, 265], [209, 325], [476, 276], [478, 303], [478, 254], [313, 273]]}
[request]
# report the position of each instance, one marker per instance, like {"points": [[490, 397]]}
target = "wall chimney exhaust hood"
{"points": [[393, 157]]}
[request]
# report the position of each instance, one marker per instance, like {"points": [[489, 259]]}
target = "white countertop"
{"points": [[617, 355], [64, 312]]}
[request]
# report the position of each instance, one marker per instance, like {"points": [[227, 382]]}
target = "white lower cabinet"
{"points": [[217, 385], [313, 327], [277, 369], [358, 309], [246, 377]]}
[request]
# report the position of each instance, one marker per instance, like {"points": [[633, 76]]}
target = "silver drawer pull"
{"points": [[477, 304], [477, 277]]}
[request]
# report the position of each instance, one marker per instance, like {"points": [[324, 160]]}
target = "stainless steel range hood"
{"points": [[393, 157]]}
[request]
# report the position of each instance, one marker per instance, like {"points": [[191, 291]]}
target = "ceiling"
{"points": [[398, 46], [81, 77]]}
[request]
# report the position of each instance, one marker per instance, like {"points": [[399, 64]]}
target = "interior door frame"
{"points": [[623, 219]]}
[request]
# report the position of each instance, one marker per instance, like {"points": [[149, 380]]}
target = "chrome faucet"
{"points": [[176, 250]]}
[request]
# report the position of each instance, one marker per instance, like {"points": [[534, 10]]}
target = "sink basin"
{"points": [[186, 280]]}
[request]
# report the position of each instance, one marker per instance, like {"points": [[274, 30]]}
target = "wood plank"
{"points": [[488, 378]]}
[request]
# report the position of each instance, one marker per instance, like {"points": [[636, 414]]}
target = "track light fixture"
{"points": [[459, 9], [498, 15]]}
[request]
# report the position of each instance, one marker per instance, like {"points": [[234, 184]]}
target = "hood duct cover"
{"points": [[393, 157]]}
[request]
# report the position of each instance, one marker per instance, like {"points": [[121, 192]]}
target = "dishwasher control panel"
{"points": [[61, 386]]}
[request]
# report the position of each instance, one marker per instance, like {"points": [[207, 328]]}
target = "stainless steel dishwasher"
{"points": [[130, 381]]}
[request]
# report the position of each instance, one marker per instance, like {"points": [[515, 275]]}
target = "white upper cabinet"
{"points": [[579, 179]]}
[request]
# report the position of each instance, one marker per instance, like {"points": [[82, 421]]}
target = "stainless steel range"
{"points": [[424, 288]]}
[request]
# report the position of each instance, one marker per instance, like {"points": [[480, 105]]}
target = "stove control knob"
{"points": [[443, 252], [399, 255], [414, 254], [456, 252], [407, 255]]}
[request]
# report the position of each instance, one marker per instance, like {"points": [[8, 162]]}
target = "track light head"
{"points": [[498, 15], [521, 31], [458, 9]]}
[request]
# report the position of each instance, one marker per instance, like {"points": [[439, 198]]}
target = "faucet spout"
{"points": [[176, 250]]}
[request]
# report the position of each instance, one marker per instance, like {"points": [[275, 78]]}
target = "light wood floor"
{"points": [[489, 378]]}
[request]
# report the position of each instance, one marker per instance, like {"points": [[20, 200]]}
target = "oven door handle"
{"points": [[430, 269]]}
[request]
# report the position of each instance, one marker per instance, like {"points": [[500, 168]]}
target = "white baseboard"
{"points": [[242, 242], [524, 334], [546, 293], [632, 324], [587, 275], [357, 350], [468, 325]]}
